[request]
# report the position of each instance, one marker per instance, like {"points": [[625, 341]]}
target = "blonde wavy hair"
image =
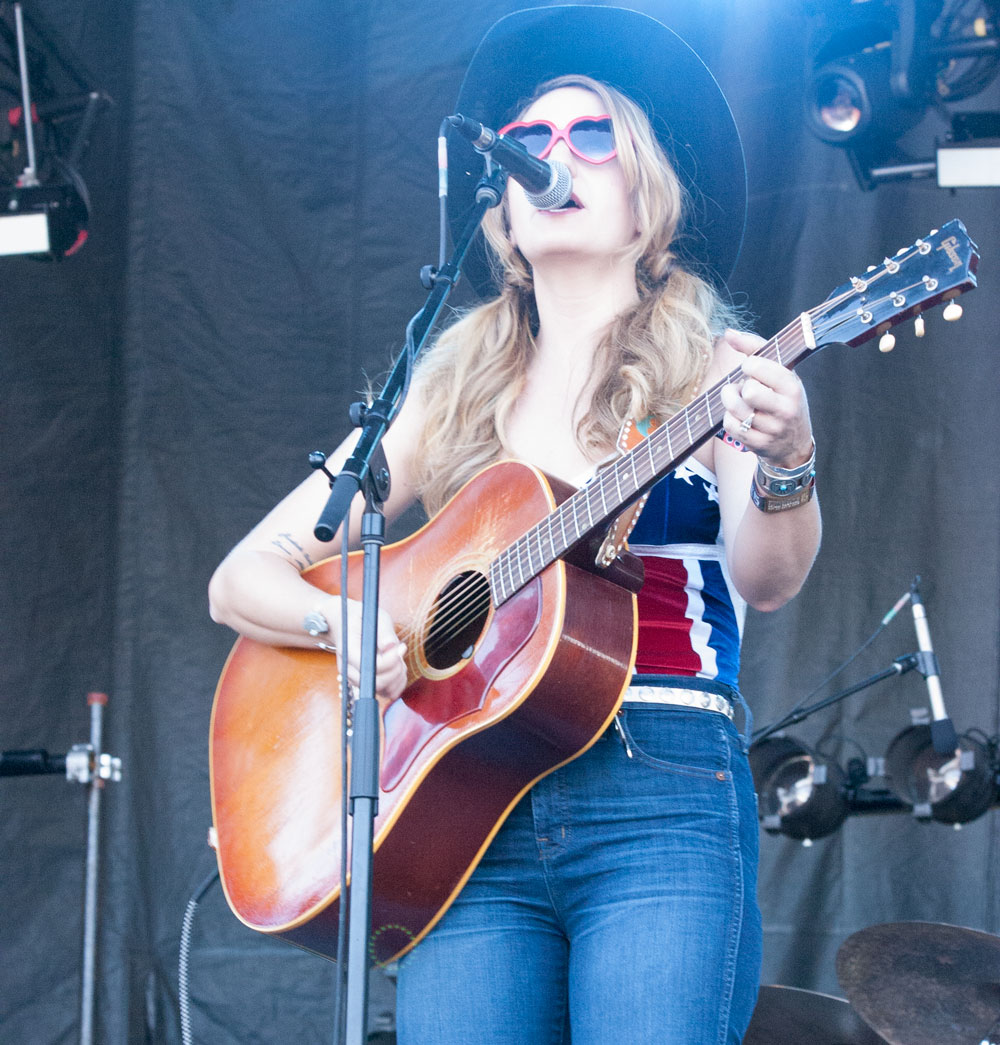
{"points": [[650, 361]]}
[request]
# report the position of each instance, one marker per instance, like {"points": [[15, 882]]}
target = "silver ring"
{"points": [[747, 423]]}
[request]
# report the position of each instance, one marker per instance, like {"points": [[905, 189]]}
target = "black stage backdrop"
{"points": [[264, 196]]}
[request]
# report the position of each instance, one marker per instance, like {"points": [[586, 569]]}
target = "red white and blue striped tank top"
{"points": [[690, 614]]}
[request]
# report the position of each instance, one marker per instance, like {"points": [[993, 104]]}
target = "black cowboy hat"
{"points": [[650, 64]]}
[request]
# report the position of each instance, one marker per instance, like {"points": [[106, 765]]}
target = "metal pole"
{"points": [[97, 702], [30, 176]]}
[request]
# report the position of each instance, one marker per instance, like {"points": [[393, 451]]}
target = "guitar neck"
{"points": [[937, 268], [623, 482]]}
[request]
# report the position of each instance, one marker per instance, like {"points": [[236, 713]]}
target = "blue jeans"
{"points": [[617, 902]]}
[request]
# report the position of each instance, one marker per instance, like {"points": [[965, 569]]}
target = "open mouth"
{"points": [[571, 204]]}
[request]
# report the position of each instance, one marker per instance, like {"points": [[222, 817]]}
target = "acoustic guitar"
{"points": [[521, 643]]}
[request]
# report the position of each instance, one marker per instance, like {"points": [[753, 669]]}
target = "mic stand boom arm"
{"points": [[899, 666]]}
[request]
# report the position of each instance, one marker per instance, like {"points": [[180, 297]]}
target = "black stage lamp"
{"points": [[800, 794], [951, 788], [850, 102], [875, 69], [43, 221]]}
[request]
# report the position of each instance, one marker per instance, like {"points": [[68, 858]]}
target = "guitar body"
{"points": [[498, 697]]}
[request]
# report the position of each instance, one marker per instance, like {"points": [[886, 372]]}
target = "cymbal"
{"points": [[789, 1016], [923, 983]]}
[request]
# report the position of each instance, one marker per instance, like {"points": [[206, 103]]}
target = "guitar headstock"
{"points": [[934, 269]]}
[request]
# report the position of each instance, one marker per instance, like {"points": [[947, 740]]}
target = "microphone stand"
{"points": [[367, 470], [943, 735], [900, 666]]}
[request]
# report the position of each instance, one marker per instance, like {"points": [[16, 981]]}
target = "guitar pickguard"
{"points": [[427, 708]]}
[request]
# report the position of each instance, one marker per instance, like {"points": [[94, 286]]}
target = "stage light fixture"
{"points": [[951, 788], [876, 69], [44, 203], [850, 102], [44, 221], [800, 794]]}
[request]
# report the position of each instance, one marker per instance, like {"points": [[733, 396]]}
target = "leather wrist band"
{"points": [[768, 502]]}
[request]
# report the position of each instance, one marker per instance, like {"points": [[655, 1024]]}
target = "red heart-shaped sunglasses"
{"points": [[592, 138]]}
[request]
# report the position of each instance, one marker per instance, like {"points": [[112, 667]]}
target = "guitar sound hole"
{"points": [[457, 620]]}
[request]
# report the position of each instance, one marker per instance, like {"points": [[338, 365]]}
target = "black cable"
{"points": [[774, 727], [977, 72], [826, 742], [184, 953], [340, 1010]]}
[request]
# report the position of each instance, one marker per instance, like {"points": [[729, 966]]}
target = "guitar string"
{"points": [[475, 604], [587, 497], [467, 599], [463, 611], [598, 489], [463, 604], [771, 349]]}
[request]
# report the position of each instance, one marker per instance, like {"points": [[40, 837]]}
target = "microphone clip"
{"points": [[924, 661]]}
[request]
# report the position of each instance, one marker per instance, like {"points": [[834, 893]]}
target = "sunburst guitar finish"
{"points": [[498, 697]]}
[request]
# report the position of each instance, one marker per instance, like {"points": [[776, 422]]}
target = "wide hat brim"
{"points": [[650, 64]]}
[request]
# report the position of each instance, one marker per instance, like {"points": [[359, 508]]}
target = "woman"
{"points": [[619, 896]]}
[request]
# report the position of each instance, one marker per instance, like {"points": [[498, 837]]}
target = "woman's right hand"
{"points": [[390, 658], [262, 595]]}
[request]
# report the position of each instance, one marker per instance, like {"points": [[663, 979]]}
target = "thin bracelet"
{"points": [[798, 476], [316, 624]]}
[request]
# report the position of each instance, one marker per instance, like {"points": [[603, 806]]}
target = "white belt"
{"points": [[696, 699]]}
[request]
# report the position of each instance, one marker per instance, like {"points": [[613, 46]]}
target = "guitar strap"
{"points": [[632, 433]]}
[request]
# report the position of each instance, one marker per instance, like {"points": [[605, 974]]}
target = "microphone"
{"points": [[547, 185], [943, 735]]}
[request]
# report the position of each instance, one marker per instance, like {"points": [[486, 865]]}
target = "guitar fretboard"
{"points": [[622, 482], [917, 277]]}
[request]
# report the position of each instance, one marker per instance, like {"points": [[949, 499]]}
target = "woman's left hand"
{"points": [[767, 412]]}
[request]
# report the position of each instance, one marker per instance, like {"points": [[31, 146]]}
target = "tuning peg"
{"points": [[918, 326], [952, 311], [886, 342]]}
